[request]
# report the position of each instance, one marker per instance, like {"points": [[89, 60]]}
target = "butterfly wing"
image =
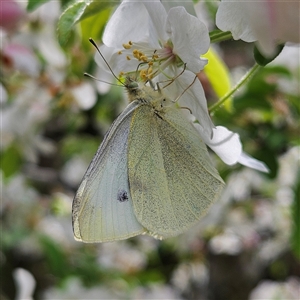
{"points": [[102, 208], [171, 177]]}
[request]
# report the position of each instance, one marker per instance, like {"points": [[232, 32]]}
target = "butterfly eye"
{"points": [[133, 85]]}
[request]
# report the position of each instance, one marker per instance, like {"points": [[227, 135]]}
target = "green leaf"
{"points": [[10, 161], [76, 13], [88, 269], [67, 20], [56, 258], [94, 26], [263, 60], [34, 4]]}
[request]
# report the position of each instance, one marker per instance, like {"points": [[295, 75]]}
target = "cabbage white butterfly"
{"points": [[152, 174]]}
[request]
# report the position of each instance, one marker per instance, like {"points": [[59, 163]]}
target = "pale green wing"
{"points": [[172, 180], [102, 207]]}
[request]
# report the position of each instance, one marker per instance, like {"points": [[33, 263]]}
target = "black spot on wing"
{"points": [[122, 196]]}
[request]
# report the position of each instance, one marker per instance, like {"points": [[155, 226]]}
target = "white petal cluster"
{"points": [[166, 45]]}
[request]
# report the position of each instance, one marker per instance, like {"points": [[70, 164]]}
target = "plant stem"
{"points": [[219, 36], [243, 80]]}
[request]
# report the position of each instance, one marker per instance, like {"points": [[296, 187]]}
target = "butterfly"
{"points": [[152, 174]]}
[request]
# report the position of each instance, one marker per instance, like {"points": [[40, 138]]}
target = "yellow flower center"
{"points": [[151, 61]]}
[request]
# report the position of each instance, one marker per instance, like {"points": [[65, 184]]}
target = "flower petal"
{"points": [[117, 62], [107, 52], [122, 26], [11, 14], [25, 283], [232, 16], [253, 163], [103, 84], [23, 59], [187, 4], [157, 21], [51, 50], [190, 37], [191, 96], [267, 22], [225, 143], [84, 95], [274, 22]]}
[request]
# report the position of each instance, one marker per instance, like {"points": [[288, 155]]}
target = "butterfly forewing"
{"points": [[171, 177], [102, 207]]}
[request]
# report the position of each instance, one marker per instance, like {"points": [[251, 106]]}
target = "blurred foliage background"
{"points": [[52, 122]]}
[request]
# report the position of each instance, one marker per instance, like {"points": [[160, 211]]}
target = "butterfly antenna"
{"points": [[97, 48], [93, 77], [137, 69]]}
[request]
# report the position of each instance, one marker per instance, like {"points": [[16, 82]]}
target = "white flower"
{"points": [[272, 290], [122, 257], [227, 145], [25, 284], [267, 22], [289, 58], [74, 289], [156, 291], [174, 38], [22, 58], [159, 47], [85, 95], [73, 171], [30, 116], [227, 242]]}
